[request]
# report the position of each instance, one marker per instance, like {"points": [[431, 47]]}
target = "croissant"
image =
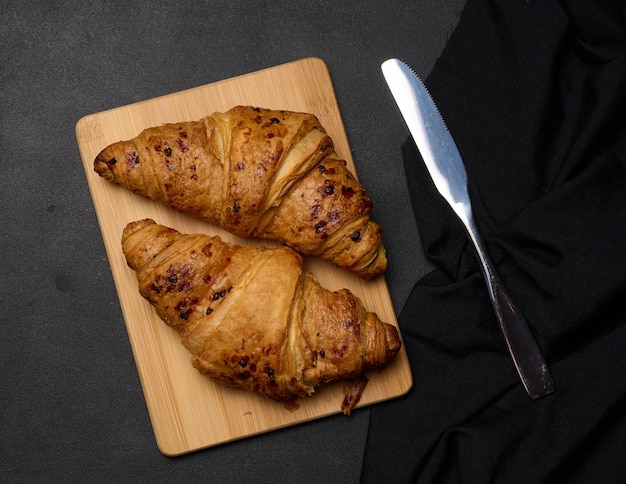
{"points": [[257, 173], [252, 317]]}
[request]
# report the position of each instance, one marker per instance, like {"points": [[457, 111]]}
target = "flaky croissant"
{"points": [[257, 173], [252, 317]]}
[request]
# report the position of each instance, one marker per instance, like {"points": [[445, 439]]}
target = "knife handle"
{"points": [[523, 348]]}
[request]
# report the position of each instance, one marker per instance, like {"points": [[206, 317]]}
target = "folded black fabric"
{"points": [[534, 94]]}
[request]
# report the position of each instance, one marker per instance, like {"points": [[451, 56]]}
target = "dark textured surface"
{"points": [[71, 405]]}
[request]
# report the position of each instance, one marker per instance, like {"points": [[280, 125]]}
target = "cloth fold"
{"points": [[534, 94]]}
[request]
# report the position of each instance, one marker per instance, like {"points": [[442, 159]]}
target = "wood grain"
{"points": [[187, 410]]}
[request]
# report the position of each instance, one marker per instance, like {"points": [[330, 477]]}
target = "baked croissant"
{"points": [[257, 173], [252, 317]]}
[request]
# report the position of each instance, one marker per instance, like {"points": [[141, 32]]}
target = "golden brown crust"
{"points": [[252, 317], [352, 391], [257, 173]]}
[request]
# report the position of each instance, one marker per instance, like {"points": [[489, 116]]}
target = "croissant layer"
{"points": [[252, 317], [257, 173]]}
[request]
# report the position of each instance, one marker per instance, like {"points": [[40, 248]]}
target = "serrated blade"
{"points": [[431, 135], [446, 168]]}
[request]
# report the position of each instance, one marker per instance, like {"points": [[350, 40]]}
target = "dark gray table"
{"points": [[71, 405]]}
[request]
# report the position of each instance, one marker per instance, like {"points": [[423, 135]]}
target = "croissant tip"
{"points": [[376, 267], [102, 165], [133, 227], [393, 341]]}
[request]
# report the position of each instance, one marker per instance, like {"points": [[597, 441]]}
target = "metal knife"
{"points": [[446, 168]]}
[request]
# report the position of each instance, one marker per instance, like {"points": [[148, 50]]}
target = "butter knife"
{"points": [[446, 168]]}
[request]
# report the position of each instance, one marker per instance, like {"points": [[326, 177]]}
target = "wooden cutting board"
{"points": [[188, 411]]}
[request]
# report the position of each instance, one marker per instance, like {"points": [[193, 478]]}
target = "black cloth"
{"points": [[534, 93]]}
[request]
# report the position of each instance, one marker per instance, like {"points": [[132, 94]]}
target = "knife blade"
{"points": [[447, 170]]}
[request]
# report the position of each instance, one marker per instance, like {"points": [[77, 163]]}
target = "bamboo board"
{"points": [[187, 410]]}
